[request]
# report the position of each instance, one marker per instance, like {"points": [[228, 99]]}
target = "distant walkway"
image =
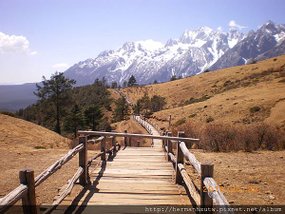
{"points": [[150, 129]]}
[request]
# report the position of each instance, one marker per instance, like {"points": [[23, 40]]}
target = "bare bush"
{"points": [[220, 137]]}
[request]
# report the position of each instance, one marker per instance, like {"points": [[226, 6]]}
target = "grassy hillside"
{"points": [[17, 133], [26, 145], [238, 95]]}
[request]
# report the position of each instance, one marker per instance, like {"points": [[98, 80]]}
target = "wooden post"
{"points": [[169, 121], [126, 139], [103, 149], [179, 159], [169, 146], [207, 170], [163, 141], [29, 200], [114, 144], [83, 179]]}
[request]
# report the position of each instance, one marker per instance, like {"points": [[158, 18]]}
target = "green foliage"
{"points": [[157, 103], [93, 116], [121, 109], [132, 81], [209, 119], [174, 77], [74, 120], [197, 100], [8, 113], [114, 84], [81, 107], [147, 105], [40, 147], [55, 90], [180, 122], [254, 109]]}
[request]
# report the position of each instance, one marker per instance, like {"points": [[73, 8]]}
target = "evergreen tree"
{"points": [[55, 90], [114, 84], [121, 109], [157, 103], [74, 120], [93, 116], [132, 81], [173, 77], [125, 84]]}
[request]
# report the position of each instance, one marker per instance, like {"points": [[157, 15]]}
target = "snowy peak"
{"points": [[146, 45], [267, 38], [196, 38], [234, 36], [192, 53]]}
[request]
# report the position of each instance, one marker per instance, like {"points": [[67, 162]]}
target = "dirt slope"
{"points": [[27, 145], [226, 95], [17, 133]]}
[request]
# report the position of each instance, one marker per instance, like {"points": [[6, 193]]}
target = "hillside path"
{"points": [[135, 176]]}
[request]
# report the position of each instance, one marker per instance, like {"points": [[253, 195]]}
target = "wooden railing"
{"points": [[26, 190], [209, 193]]}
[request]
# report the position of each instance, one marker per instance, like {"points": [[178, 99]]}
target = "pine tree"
{"points": [[55, 90], [74, 120], [121, 109], [132, 81], [93, 116]]}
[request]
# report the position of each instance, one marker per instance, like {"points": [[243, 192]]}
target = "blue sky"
{"points": [[38, 37]]}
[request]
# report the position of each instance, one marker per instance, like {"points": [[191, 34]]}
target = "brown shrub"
{"points": [[220, 137]]}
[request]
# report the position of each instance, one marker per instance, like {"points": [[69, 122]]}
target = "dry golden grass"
{"points": [[248, 178], [232, 92], [19, 134], [26, 145]]}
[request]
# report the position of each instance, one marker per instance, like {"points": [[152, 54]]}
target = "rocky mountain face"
{"points": [[192, 53], [266, 42]]}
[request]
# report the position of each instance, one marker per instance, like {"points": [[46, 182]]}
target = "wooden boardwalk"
{"points": [[136, 176], [132, 179]]}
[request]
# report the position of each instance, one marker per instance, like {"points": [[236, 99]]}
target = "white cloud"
{"points": [[60, 66], [15, 44], [220, 28], [33, 53], [233, 24]]}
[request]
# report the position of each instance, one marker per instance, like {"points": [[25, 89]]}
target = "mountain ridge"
{"points": [[192, 53]]}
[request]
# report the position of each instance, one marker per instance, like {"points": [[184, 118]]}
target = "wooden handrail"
{"points": [[69, 186], [26, 192], [215, 192], [189, 184], [135, 135], [57, 165], [99, 139], [12, 197], [190, 157], [209, 192]]}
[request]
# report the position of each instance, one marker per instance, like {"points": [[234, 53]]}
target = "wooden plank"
{"points": [[108, 198], [136, 176], [136, 172]]}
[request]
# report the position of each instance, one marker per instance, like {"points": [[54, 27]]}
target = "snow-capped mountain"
{"points": [[267, 41], [193, 52], [149, 60]]}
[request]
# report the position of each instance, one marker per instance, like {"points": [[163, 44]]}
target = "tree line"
{"points": [[65, 109]]}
